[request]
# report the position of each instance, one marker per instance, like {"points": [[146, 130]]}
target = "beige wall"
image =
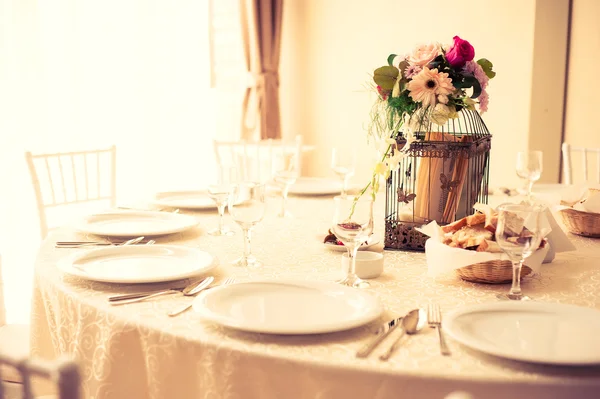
{"points": [[337, 44], [583, 102]]}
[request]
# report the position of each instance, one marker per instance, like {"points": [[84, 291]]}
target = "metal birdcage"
{"points": [[445, 172]]}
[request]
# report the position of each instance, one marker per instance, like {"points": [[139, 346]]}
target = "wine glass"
{"points": [[343, 164], [518, 234], [285, 173], [246, 206], [352, 225], [529, 167], [219, 192]]}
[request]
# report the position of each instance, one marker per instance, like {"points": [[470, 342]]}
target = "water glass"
{"points": [[529, 168], [343, 164], [219, 192], [285, 174], [352, 225], [518, 233], [246, 206]]}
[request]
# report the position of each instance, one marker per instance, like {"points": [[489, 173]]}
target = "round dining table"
{"points": [[138, 351]]}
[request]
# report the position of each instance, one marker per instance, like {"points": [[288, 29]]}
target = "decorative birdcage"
{"points": [[445, 172]]}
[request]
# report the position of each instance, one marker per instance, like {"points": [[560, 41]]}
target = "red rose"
{"points": [[460, 53]]}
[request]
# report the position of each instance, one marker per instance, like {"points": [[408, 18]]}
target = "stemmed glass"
{"points": [[343, 164], [246, 206], [219, 192], [352, 225], [285, 173], [529, 167], [518, 233]]}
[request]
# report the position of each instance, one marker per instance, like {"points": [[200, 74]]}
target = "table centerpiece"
{"points": [[433, 146]]}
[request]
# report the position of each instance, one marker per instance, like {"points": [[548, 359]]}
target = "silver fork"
{"points": [[181, 309], [434, 318]]}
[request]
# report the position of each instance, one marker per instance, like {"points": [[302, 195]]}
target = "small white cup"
{"points": [[368, 264]]}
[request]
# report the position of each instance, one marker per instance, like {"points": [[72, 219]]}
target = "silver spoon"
{"points": [[412, 323], [189, 290]]}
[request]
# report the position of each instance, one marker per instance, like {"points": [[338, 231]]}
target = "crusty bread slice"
{"points": [[455, 226], [474, 220]]}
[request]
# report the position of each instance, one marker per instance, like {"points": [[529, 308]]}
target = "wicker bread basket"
{"points": [[582, 223], [490, 272]]}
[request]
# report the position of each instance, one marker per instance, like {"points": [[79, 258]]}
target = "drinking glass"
{"points": [[519, 234], [343, 164], [285, 173], [352, 225], [219, 192], [529, 167], [246, 206]]}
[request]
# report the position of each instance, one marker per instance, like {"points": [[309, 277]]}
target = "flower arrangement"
{"points": [[428, 86]]}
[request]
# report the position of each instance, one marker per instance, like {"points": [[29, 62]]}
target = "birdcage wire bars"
{"points": [[445, 172]]}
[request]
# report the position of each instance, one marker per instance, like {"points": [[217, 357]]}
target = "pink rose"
{"points": [[424, 54], [460, 53]]}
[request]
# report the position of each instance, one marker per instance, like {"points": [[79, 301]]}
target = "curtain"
{"points": [[261, 28], [81, 74]]}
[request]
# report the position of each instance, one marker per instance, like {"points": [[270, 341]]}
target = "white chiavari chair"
{"points": [[568, 151], [67, 179], [62, 373], [255, 160]]}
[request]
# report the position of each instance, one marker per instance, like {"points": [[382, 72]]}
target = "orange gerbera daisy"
{"points": [[428, 84]]}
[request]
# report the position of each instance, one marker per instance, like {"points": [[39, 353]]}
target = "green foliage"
{"points": [[385, 77], [402, 104], [487, 66], [390, 59]]}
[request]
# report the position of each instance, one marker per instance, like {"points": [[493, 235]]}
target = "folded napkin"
{"points": [[590, 202], [557, 239]]}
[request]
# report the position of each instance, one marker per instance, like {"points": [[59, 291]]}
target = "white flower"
{"points": [[440, 114]]}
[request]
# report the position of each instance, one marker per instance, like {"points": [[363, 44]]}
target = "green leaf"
{"points": [[402, 67], [390, 59], [486, 65], [385, 77], [476, 88], [469, 81]]}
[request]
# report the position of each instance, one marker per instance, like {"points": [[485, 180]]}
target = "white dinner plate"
{"points": [[136, 223], [316, 186], [185, 200], [138, 263], [288, 307], [536, 332], [373, 240]]}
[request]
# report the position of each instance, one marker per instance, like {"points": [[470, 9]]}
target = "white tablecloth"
{"points": [[137, 351]]}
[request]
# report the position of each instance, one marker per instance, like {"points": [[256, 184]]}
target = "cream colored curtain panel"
{"points": [[261, 29]]}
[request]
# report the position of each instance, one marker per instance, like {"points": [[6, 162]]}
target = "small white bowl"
{"points": [[368, 264]]}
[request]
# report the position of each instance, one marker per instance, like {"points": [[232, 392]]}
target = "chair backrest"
{"points": [[256, 160], [68, 178], [63, 373], [586, 153]]}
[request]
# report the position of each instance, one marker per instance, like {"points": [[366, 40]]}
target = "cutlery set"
{"points": [[79, 244], [409, 324], [190, 290]]}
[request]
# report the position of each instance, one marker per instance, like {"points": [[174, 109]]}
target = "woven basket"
{"points": [[582, 223], [490, 272]]}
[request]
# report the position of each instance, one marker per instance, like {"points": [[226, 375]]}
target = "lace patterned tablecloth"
{"points": [[137, 351]]}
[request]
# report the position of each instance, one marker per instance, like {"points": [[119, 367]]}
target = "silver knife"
{"points": [[141, 294], [382, 332]]}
